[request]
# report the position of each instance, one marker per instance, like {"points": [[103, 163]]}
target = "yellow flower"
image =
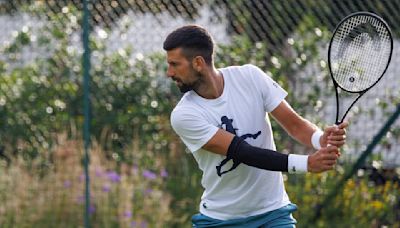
{"points": [[350, 184], [378, 205]]}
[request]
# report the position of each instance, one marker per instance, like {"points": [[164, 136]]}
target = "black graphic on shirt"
{"points": [[228, 124]]}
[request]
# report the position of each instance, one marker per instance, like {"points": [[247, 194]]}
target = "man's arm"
{"points": [[227, 144], [302, 129], [220, 142]]}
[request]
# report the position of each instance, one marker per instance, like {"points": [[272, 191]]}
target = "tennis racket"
{"points": [[359, 54]]}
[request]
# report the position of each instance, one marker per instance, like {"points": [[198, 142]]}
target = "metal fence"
{"points": [[41, 48]]}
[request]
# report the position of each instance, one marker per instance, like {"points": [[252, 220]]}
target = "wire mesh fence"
{"points": [[134, 154]]}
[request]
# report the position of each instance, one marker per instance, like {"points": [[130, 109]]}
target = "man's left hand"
{"points": [[334, 135]]}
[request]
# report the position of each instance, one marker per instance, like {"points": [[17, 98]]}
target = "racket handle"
{"points": [[336, 124]]}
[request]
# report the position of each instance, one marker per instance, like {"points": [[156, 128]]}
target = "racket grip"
{"points": [[336, 124]]}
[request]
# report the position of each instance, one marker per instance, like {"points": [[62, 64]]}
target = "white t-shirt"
{"points": [[248, 95]]}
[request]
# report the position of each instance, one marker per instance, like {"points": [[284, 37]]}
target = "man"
{"points": [[223, 120]]}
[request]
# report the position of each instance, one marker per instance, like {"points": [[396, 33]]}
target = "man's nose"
{"points": [[170, 72]]}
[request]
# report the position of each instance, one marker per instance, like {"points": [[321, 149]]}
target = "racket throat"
{"points": [[338, 112]]}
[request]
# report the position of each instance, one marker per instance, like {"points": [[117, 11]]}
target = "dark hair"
{"points": [[194, 41]]}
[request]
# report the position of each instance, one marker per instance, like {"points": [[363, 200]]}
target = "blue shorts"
{"points": [[281, 218]]}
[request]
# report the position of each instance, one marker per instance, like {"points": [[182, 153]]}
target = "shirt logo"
{"points": [[228, 123]]}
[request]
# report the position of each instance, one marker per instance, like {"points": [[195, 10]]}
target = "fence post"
{"points": [[86, 104]]}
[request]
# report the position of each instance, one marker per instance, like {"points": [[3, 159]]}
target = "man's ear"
{"points": [[198, 63]]}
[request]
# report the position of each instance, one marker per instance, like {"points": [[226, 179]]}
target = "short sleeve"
{"points": [[192, 128], [272, 93]]}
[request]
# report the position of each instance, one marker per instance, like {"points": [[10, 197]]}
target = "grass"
{"points": [[122, 195], [162, 190]]}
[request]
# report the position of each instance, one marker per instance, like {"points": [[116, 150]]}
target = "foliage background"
{"points": [[141, 175]]}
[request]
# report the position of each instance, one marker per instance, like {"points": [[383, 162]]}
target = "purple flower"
{"points": [[133, 224], [148, 191], [149, 174], [106, 188], [113, 176], [164, 173], [67, 184], [99, 173], [144, 224], [92, 209], [127, 214]]}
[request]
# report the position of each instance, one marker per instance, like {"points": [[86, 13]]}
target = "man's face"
{"points": [[180, 70]]}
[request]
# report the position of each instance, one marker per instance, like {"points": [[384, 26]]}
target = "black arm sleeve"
{"points": [[242, 152]]}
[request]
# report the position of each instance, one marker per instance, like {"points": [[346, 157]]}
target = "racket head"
{"points": [[359, 52]]}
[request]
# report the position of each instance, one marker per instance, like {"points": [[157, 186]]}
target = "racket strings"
{"points": [[359, 53]]}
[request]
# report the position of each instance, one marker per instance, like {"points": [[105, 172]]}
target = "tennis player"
{"points": [[223, 120]]}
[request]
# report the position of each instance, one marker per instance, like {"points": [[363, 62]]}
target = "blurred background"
{"points": [[140, 173]]}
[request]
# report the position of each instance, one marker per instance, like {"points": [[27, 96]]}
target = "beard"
{"points": [[186, 87]]}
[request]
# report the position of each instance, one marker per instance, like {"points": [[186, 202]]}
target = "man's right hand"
{"points": [[323, 159]]}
